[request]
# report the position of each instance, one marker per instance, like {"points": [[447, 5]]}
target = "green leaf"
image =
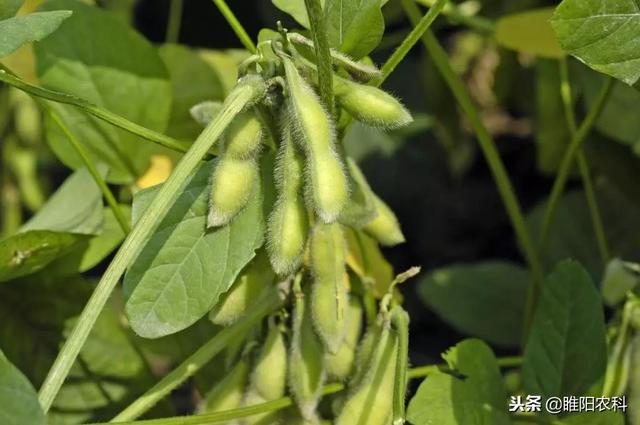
{"points": [[483, 299], [76, 207], [633, 391], [619, 278], [529, 32], [193, 82], [566, 353], [18, 399], [115, 68], [473, 394], [21, 30], [183, 269], [603, 34], [9, 8]]}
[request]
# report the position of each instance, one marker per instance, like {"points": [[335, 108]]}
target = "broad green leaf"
{"points": [[76, 207], [193, 82], [619, 278], [529, 32], [473, 394], [9, 8], [296, 9], [566, 353], [21, 30], [183, 269], [115, 68], [18, 399], [601, 33], [594, 418], [28, 252], [482, 299]]}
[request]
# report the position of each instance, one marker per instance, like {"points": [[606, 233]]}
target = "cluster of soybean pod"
{"points": [[318, 336]]}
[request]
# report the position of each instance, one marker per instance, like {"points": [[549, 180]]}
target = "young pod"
{"points": [[243, 137], [306, 363], [234, 303], [288, 223], [232, 183], [371, 401], [384, 227], [270, 371], [370, 105], [340, 364], [328, 189], [229, 392], [329, 294]]}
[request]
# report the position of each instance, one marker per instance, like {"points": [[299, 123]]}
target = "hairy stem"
{"points": [[174, 21], [134, 242], [400, 322], [86, 160], [414, 36], [488, 147], [322, 50], [236, 26]]}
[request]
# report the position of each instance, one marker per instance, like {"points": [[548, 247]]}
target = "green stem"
{"points": [[400, 322], [236, 26], [133, 243], [269, 302], [487, 145], [106, 192], [414, 36], [568, 158], [323, 52], [96, 111], [281, 403], [477, 23], [174, 21], [583, 166]]}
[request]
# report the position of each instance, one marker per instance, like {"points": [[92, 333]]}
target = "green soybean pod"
{"points": [[288, 223], [370, 105], [384, 227], [269, 376], [232, 183], [340, 364], [229, 392], [306, 362], [371, 401], [313, 128], [243, 137], [329, 294]]}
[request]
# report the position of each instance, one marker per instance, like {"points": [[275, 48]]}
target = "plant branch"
{"points": [[568, 158], [96, 111], [322, 50], [236, 26], [106, 192], [271, 301], [400, 322], [487, 145], [476, 23], [583, 165], [134, 242], [174, 22], [414, 36]]}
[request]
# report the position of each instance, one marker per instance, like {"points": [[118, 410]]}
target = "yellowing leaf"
{"points": [[529, 32], [159, 170]]}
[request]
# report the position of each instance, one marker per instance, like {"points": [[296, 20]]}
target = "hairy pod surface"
{"points": [[306, 362], [384, 227], [327, 183], [269, 377], [329, 294], [370, 105], [232, 182], [243, 137], [340, 364], [371, 401], [288, 223], [234, 303], [229, 392]]}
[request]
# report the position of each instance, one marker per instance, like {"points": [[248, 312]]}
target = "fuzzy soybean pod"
{"points": [[229, 392], [340, 364], [327, 185], [384, 227], [370, 105], [232, 183], [329, 294], [243, 137], [269, 376], [371, 401], [288, 223], [306, 361]]}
